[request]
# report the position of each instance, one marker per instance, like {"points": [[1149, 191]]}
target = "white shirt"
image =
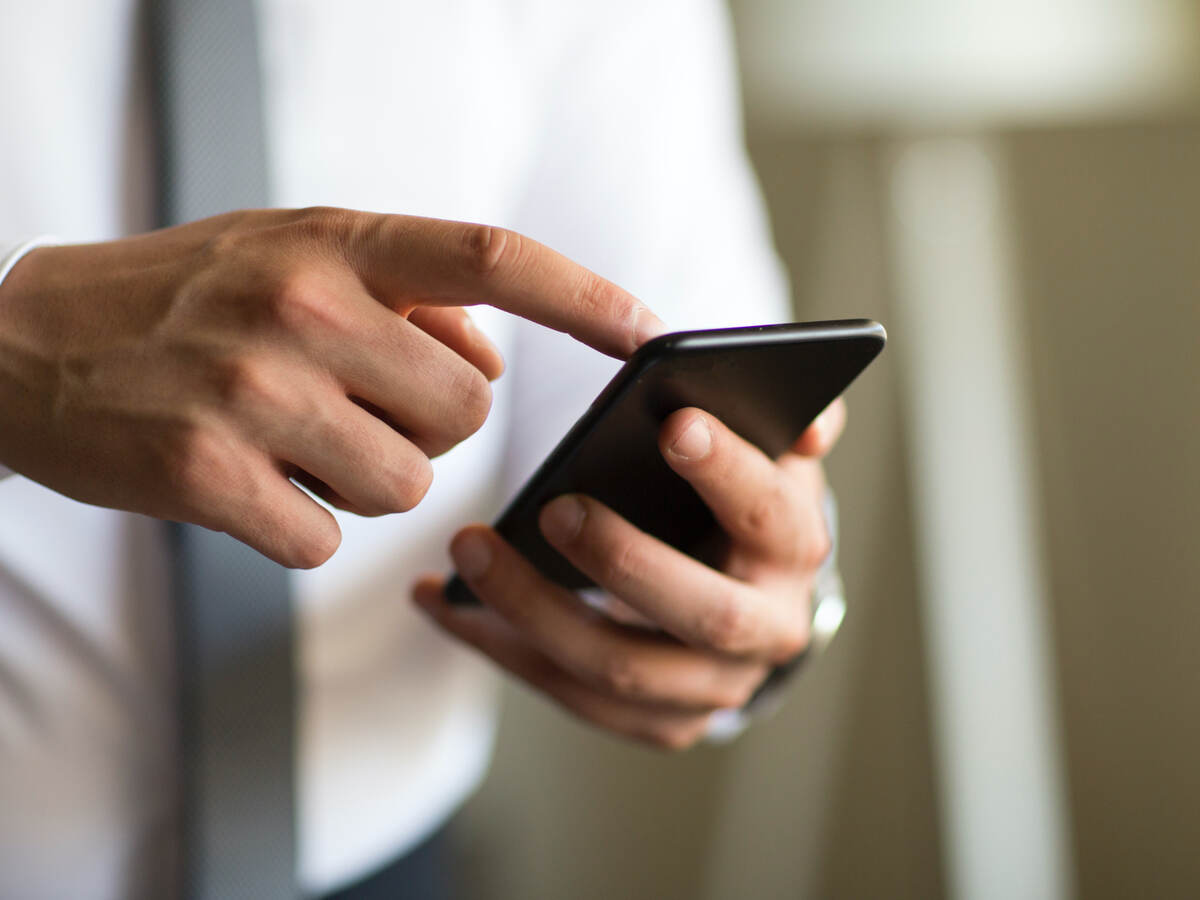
{"points": [[607, 130]]}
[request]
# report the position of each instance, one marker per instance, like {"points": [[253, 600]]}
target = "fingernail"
{"points": [[695, 442], [562, 518], [471, 555], [646, 326]]}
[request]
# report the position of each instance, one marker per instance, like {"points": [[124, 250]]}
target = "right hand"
{"points": [[190, 373]]}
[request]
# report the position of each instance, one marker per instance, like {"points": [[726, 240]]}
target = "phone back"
{"points": [[766, 383]]}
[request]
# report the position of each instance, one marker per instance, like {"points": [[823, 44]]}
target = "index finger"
{"points": [[412, 261]]}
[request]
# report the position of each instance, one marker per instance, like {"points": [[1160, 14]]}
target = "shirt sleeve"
{"points": [[11, 253], [641, 175]]}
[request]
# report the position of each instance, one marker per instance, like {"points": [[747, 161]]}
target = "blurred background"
{"points": [[1011, 708]]}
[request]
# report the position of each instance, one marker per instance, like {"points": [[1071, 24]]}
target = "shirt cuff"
{"points": [[10, 255]]}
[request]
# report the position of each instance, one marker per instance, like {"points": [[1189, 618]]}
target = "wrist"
{"points": [[12, 255], [13, 267]]}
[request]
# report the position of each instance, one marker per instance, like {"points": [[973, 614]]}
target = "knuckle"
{"points": [[817, 546], [230, 242], [195, 462], [399, 476], [735, 694], [726, 626], [324, 223], [312, 549], [244, 381], [480, 399], [475, 400], [490, 250], [597, 297], [765, 515], [409, 484], [620, 566], [675, 738], [697, 731], [299, 303], [619, 674], [468, 404], [793, 639]]}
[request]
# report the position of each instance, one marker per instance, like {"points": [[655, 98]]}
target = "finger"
{"points": [[418, 384], [807, 477], [443, 263], [632, 664], [819, 438], [302, 418], [487, 632], [362, 460], [278, 519], [452, 325], [319, 488], [751, 499], [700, 606]]}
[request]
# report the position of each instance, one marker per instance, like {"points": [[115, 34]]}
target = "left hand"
{"points": [[721, 631]]}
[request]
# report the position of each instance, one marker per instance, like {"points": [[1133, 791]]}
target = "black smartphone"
{"points": [[767, 383]]}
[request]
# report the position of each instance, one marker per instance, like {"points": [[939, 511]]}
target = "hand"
{"points": [[721, 631], [190, 373]]}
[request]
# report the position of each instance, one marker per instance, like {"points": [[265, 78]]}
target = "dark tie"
{"points": [[233, 612]]}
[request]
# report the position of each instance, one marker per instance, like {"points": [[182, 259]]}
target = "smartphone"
{"points": [[767, 383]]}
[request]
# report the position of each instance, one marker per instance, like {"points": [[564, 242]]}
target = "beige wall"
{"points": [[835, 796], [1110, 235]]}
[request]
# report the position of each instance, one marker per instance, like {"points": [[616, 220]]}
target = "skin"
{"points": [[717, 632], [191, 373], [197, 372]]}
